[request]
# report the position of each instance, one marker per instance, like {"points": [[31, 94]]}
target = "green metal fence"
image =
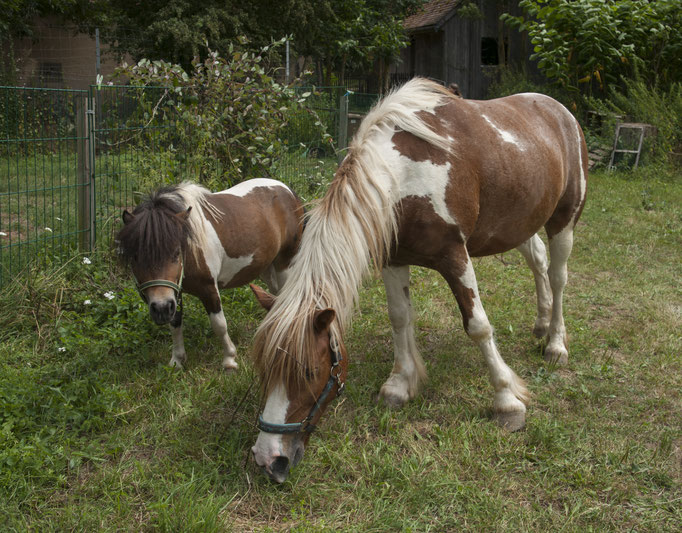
{"points": [[71, 161], [42, 132]]}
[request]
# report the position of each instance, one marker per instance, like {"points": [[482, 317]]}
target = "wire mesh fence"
{"points": [[71, 161], [41, 133]]}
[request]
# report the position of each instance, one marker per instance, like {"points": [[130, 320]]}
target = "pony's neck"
{"points": [[352, 227]]}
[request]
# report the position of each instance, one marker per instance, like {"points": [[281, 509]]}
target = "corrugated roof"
{"points": [[430, 14]]}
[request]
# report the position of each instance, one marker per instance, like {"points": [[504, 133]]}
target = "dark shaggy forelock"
{"points": [[155, 233]]}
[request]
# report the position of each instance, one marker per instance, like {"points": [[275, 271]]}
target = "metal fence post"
{"points": [[84, 133], [343, 126]]}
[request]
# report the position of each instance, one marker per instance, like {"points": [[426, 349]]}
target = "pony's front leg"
{"points": [[219, 325], [511, 395], [179, 356], [408, 367], [216, 316]]}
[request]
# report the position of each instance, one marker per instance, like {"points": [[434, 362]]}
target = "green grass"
{"points": [[104, 436]]}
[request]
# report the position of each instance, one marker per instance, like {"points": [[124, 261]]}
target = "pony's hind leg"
{"points": [[511, 395], [535, 254], [560, 246], [274, 278], [408, 368]]}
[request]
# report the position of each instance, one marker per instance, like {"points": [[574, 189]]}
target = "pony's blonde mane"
{"points": [[194, 196], [354, 225]]}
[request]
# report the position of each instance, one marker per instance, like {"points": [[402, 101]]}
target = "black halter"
{"points": [[306, 425]]}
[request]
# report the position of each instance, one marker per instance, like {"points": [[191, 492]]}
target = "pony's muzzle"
{"points": [[162, 312], [278, 468]]}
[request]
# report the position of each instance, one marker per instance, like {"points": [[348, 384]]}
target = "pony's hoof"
{"points": [[540, 330], [230, 364], [556, 356], [511, 420], [393, 397], [176, 363]]}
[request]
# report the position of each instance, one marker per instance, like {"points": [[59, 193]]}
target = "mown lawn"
{"points": [[97, 433]]}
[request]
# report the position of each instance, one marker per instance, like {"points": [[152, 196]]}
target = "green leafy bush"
{"points": [[229, 112], [592, 43]]}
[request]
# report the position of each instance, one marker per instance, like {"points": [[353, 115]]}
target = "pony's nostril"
{"points": [[154, 307], [280, 468], [171, 307]]}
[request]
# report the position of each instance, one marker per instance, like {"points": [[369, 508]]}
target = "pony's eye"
{"points": [[310, 373]]}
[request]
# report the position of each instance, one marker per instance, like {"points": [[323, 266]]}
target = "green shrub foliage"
{"points": [[592, 43], [229, 113]]}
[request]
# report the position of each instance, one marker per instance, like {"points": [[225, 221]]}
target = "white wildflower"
{"points": [[3, 234], [109, 295], [87, 302], [86, 261], [61, 349], [48, 229]]}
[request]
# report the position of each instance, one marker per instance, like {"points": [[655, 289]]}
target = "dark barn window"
{"points": [[489, 54], [51, 72]]}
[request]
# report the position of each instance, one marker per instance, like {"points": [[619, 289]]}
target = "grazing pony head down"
{"points": [[353, 226]]}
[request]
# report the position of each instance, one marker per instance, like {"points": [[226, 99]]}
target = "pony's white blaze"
{"points": [[505, 135], [245, 187], [269, 445]]}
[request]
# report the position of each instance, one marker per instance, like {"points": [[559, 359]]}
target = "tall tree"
{"points": [[17, 16]]}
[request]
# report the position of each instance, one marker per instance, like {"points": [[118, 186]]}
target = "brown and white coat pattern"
{"points": [[431, 180], [250, 230]]}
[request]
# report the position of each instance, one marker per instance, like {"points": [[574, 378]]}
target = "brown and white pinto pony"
{"points": [[185, 238], [431, 180]]}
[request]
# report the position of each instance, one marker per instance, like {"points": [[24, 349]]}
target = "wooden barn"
{"points": [[462, 42]]}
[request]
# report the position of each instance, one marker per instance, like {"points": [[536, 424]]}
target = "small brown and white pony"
{"points": [[431, 180], [185, 238]]}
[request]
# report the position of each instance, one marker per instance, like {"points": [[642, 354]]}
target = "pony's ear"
{"points": [[266, 299], [183, 215], [323, 319], [128, 217]]}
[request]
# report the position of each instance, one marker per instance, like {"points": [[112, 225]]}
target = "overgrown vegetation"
{"points": [[99, 434], [230, 114], [593, 44]]}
